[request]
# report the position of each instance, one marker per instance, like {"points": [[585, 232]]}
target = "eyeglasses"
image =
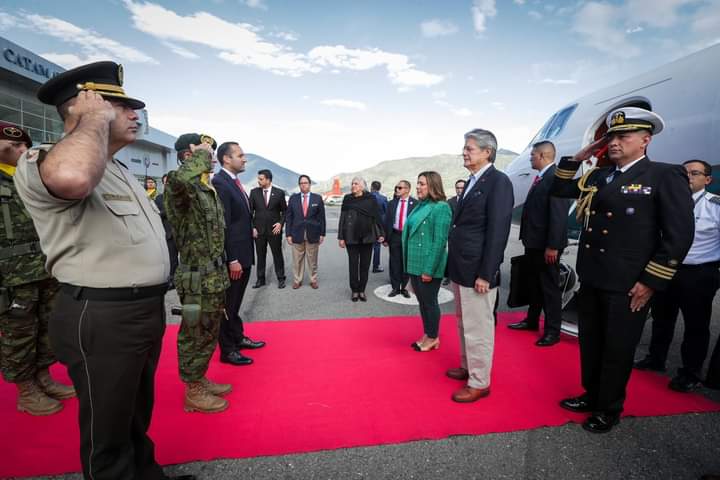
{"points": [[696, 173]]}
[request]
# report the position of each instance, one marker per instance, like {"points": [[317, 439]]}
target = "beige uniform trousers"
{"points": [[476, 329], [301, 252]]}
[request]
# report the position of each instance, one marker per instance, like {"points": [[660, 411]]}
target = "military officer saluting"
{"points": [[691, 291], [105, 244], [196, 215], [26, 292], [638, 226]]}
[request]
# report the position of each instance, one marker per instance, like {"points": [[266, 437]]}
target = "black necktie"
{"points": [[613, 175]]}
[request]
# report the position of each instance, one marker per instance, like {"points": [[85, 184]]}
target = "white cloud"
{"points": [[655, 13], [183, 52], [400, 71], [287, 36], [481, 11], [90, 43], [439, 94], [535, 14], [462, 112], [242, 45], [706, 20], [636, 29], [560, 81], [454, 109], [260, 4], [519, 2], [600, 26], [342, 103], [498, 105], [437, 28]]}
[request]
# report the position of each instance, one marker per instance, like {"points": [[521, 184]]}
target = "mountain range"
{"points": [[388, 172]]}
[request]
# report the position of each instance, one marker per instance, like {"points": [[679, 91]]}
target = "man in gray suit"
{"points": [[543, 231]]}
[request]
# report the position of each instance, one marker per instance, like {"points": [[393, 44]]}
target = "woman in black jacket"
{"points": [[360, 227]]}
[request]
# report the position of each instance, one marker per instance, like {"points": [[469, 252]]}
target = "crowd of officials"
{"points": [[75, 219]]}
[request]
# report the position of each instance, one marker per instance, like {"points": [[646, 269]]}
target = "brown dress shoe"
{"points": [[470, 394], [458, 373], [296, 285], [314, 285]]}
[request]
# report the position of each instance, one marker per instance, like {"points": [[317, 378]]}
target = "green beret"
{"points": [[186, 139]]}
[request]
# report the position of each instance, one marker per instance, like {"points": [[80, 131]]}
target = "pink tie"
{"points": [[305, 205], [239, 184], [402, 214], [537, 180]]}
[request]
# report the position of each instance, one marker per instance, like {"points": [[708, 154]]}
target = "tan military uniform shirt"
{"points": [[114, 238]]}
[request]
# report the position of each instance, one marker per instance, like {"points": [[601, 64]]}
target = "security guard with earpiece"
{"points": [[638, 225], [196, 215]]}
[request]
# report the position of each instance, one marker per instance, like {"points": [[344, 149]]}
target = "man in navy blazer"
{"points": [[382, 202], [238, 251], [476, 244], [543, 231], [398, 210], [305, 231]]}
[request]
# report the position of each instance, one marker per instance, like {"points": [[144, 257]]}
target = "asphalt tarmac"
{"points": [[671, 447]]}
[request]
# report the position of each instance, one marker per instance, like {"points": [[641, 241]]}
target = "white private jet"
{"points": [[685, 93]]}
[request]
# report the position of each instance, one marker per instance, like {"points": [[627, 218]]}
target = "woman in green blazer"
{"points": [[424, 244]]}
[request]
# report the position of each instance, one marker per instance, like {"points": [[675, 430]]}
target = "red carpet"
{"points": [[327, 384]]}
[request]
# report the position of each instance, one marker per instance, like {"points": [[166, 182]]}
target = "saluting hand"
{"points": [[640, 294], [89, 103], [590, 150]]}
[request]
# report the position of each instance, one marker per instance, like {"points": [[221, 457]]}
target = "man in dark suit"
{"points": [[268, 206], [382, 202], [398, 210], [238, 252], [543, 231], [459, 187], [638, 226], [477, 240], [305, 231]]}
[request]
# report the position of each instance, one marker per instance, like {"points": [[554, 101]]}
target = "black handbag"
{"points": [[519, 295]]}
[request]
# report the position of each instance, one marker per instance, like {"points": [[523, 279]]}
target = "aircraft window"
{"points": [[559, 122]]}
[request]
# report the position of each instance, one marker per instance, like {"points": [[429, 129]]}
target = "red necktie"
{"points": [[402, 214], [239, 184], [305, 205], [537, 180]]}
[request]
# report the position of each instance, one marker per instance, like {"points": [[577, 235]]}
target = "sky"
{"points": [[323, 87]]}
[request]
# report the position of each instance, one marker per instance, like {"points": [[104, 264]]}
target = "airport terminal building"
{"points": [[21, 74]]}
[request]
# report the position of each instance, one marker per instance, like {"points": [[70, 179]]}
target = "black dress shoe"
{"points": [[576, 404], [601, 423], [259, 283], [281, 283], [523, 325], [405, 293], [354, 297], [393, 293], [548, 341], [235, 358], [247, 342], [684, 383], [362, 297], [649, 363]]}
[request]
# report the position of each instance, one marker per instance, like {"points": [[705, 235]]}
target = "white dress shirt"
{"points": [[706, 244]]}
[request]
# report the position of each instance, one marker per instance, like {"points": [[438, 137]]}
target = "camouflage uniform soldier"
{"points": [[26, 292], [196, 215]]}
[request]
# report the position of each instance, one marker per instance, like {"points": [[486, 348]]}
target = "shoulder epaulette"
{"points": [[713, 198]]}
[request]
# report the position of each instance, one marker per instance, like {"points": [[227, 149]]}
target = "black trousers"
{"points": [[111, 351], [231, 328], [427, 295], [377, 248], [398, 278], [275, 242], [545, 293], [691, 292], [608, 334], [359, 264]]}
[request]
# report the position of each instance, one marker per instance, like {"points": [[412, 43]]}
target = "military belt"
{"points": [[210, 266], [17, 250], [113, 294]]}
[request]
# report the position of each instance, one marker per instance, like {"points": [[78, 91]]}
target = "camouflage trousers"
{"points": [[24, 341], [198, 337]]}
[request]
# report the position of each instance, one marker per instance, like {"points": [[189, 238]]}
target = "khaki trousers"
{"points": [[476, 329], [302, 252]]}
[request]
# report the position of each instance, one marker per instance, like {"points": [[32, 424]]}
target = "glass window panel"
{"points": [[52, 137], [52, 114], [34, 108], [33, 121], [9, 115], [37, 136], [560, 121], [53, 127], [9, 101]]}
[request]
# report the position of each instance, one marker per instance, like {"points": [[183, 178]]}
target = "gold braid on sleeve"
{"points": [[582, 211]]}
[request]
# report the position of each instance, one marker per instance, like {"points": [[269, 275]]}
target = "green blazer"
{"points": [[424, 242]]}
